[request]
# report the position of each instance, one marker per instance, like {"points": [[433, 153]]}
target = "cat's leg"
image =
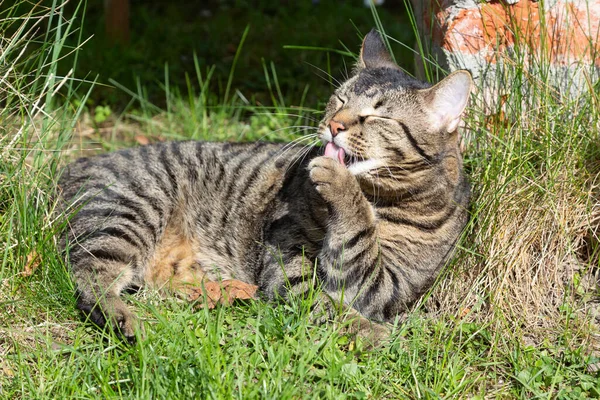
{"points": [[350, 258], [350, 252], [100, 300], [108, 248], [101, 272], [284, 273], [292, 273]]}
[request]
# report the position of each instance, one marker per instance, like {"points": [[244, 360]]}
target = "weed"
{"points": [[511, 316]]}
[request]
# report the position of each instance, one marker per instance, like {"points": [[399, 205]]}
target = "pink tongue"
{"points": [[335, 152]]}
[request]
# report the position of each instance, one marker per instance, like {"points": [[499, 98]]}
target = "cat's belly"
{"points": [[216, 229], [181, 263]]}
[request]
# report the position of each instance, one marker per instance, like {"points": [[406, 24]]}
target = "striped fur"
{"points": [[380, 225]]}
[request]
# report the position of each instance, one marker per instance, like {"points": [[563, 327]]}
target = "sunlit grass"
{"points": [[509, 318]]}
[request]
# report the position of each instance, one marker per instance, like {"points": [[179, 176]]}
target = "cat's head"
{"points": [[382, 122]]}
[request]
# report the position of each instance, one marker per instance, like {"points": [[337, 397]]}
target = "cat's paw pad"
{"points": [[329, 176]]}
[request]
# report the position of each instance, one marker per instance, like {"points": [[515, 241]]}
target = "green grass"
{"points": [[511, 317]]}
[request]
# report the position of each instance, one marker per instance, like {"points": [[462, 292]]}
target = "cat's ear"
{"points": [[448, 99], [374, 54]]}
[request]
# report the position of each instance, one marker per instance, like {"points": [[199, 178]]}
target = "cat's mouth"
{"points": [[337, 153], [355, 166]]}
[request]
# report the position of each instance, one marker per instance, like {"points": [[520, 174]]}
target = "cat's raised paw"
{"points": [[332, 180]]}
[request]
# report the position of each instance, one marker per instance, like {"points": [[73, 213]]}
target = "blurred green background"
{"points": [[174, 33]]}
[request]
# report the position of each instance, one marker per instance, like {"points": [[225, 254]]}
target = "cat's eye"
{"points": [[363, 118], [341, 99]]}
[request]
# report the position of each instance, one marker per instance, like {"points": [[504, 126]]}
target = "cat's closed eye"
{"points": [[366, 118]]}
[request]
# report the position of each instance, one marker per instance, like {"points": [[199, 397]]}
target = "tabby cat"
{"points": [[380, 211]]}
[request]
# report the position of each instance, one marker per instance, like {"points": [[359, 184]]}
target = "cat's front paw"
{"points": [[331, 179]]}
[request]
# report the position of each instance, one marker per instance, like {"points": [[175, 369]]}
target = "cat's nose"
{"points": [[336, 127]]}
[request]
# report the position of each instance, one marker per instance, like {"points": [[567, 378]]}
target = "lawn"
{"points": [[514, 314]]}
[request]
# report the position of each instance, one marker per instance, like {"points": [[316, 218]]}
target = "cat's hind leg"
{"points": [[100, 281], [107, 252]]}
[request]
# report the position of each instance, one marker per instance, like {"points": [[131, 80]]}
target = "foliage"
{"points": [[507, 319]]}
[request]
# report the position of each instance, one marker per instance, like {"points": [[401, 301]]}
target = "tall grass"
{"points": [[510, 317], [527, 269], [531, 157], [35, 128]]}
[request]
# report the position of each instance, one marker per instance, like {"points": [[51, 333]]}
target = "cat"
{"points": [[372, 218]]}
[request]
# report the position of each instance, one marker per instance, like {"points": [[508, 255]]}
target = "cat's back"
{"points": [[169, 163], [216, 185], [209, 196]]}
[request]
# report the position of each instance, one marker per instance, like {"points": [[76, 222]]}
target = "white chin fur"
{"points": [[326, 136], [360, 167]]}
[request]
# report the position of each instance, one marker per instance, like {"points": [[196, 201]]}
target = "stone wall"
{"points": [[556, 41]]}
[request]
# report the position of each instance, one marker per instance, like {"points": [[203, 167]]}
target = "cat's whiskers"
{"points": [[288, 146], [299, 128], [345, 73], [376, 187], [303, 151], [309, 118], [297, 153], [390, 173], [279, 114], [328, 77]]}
